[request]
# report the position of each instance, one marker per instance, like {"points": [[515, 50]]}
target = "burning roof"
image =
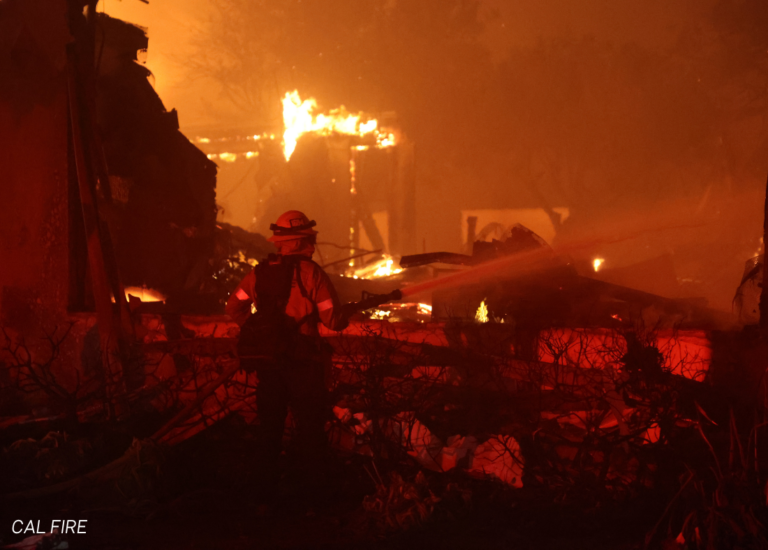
{"points": [[299, 119]]}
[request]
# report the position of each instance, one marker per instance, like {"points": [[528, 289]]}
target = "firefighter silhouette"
{"points": [[291, 294]]}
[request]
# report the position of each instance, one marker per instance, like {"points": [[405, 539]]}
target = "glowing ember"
{"points": [[380, 314], [144, 294], [401, 312], [299, 119], [425, 309], [597, 263], [232, 157], [385, 140], [245, 259], [482, 313]]}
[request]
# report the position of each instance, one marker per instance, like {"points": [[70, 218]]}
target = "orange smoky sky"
{"points": [[610, 109], [173, 24]]}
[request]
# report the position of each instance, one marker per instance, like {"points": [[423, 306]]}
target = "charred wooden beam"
{"points": [[763, 293], [109, 333]]}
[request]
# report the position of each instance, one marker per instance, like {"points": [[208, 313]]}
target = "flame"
{"points": [[382, 268], [385, 140], [425, 309], [597, 263], [386, 269], [299, 119], [232, 157], [380, 314], [482, 313], [144, 294]]}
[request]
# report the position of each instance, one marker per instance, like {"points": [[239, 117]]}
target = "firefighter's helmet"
{"points": [[292, 225]]}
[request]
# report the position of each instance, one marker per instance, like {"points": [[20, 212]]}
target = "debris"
{"points": [[401, 505], [457, 452], [51, 458], [746, 303], [499, 457]]}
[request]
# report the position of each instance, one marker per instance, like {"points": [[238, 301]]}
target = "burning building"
{"points": [[353, 172]]}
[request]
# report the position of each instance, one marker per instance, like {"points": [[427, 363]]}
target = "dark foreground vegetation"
{"points": [[620, 453], [200, 495]]}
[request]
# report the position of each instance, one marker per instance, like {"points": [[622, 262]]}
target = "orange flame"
{"points": [[299, 119], [597, 263], [381, 268], [144, 294]]}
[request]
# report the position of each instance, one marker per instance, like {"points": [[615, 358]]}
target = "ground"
{"points": [[203, 498]]}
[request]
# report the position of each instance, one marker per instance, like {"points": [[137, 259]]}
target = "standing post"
{"points": [[108, 329], [764, 293]]}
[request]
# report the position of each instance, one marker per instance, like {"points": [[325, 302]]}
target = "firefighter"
{"points": [[289, 294]]}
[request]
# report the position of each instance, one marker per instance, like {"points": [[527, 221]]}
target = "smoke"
{"points": [[622, 113]]}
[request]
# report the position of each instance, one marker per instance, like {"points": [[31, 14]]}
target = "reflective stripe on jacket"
{"points": [[312, 297]]}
